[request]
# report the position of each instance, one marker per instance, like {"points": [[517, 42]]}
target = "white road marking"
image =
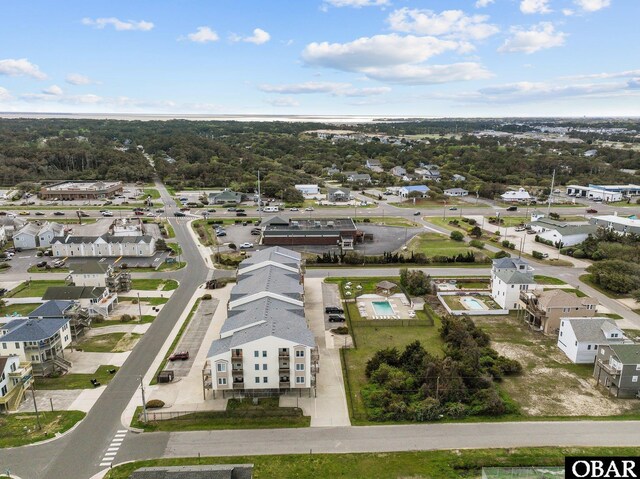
{"points": [[112, 449], [120, 431], [103, 464]]}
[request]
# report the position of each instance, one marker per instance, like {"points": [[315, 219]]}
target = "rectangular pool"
{"points": [[382, 308], [472, 304]]}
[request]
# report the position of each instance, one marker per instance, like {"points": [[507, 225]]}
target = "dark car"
{"points": [[241, 214], [179, 213], [256, 231], [180, 355], [333, 310], [334, 318], [211, 210], [139, 213], [512, 208], [3, 291], [221, 233], [83, 214], [39, 213], [59, 213], [417, 213], [41, 264], [239, 210], [591, 210]]}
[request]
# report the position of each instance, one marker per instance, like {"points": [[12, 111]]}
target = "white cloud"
{"points": [[605, 75], [539, 91], [535, 6], [118, 24], [430, 74], [54, 90], [592, 5], [282, 102], [567, 12], [77, 79], [451, 23], [259, 37], [356, 3], [4, 94], [20, 67], [483, 3], [538, 37], [378, 51], [333, 88], [203, 35]]}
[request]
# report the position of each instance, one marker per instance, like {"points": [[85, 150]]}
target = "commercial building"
{"points": [[580, 338], [620, 224], [308, 190], [456, 192], [225, 196], [604, 192], [81, 190], [419, 191], [617, 368], [340, 232], [37, 235], [543, 309], [265, 345], [338, 195], [562, 233], [103, 246], [516, 196]]}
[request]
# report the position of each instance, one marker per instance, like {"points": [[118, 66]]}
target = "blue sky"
{"points": [[326, 57]]}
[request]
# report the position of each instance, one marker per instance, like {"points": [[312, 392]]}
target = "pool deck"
{"points": [[400, 304]]}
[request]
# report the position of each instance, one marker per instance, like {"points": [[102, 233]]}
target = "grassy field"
{"points": [[144, 299], [586, 279], [20, 429], [76, 380], [175, 247], [154, 284], [21, 309], [458, 464], [109, 343], [239, 415], [155, 194], [434, 244], [550, 280], [34, 288], [389, 221], [146, 318]]}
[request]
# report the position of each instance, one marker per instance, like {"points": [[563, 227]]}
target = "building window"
{"points": [[299, 367], [264, 354], [560, 333], [566, 310], [17, 345], [637, 367], [222, 368], [265, 379], [257, 379], [4, 390], [264, 367], [300, 354], [4, 345], [300, 380], [256, 354], [588, 347], [222, 381], [576, 343], [634, 379], [257, 367]]}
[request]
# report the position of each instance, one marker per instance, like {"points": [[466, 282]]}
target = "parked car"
{"points": [[592, 210], [3, 213], [334, 318], [221, 233], [180, 355], [520, 228], [41, 264], [160, 210], [39, 213], [246, 245], [453, 208], [309, 208], [333, 310], [107, 213], [58, 263], [294, 209], [417, 213], [512, 208], [59, 213], [531, 232], [256, 231], [545, 255], [211, 210], [179, 213], [151, 214]]}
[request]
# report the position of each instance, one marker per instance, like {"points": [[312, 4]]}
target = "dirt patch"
{"points": [[126, 343]]}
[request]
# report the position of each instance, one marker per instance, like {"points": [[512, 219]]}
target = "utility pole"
{"points": [[140, 306], [144, 403], [35, 404], [553, 180], [259, 199]]}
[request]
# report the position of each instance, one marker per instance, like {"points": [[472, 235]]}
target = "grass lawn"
{"points": [[389, 221], [434, 244], [611, 315], [76, 380], [541, 279], [458, 464], [586, 279], [108, 343], [155, 194], [149, 301], [146, 318], [239, 415], [35, 288], [20, 429], [35, 269], [21, 309], [175, 247], [163, 267], [154, 284], [444, 223]]}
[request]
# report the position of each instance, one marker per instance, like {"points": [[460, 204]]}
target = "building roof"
{"points": [[565, 229], [274, 220], [386, 285], [556, 298], [520, 194], [32, 329], [106, 237], [591, 329], [90, 267], [456, 190], [271, 279], [73, 292], [627, 353], [226, 194], [333, 190], [219, 346], [277, 254], [513, 276], [373, 162], [31, 229], [629, 221], [509, 263], [360, 177], [260, 311], [51, 309], [420, 188], [55, 228]]}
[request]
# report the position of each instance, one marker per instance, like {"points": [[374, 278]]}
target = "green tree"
{"points": [[457, 236]]}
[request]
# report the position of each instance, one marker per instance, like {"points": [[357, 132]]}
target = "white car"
{"points": [[309, 208], [151, 214], [293, 209], [246, 245], [107, 213]]}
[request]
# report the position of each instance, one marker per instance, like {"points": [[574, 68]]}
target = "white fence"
{"points": [[470, 312]]}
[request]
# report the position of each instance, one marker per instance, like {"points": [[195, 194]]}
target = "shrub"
{"points": [[366, 220], [125, 318], [206, 297], [501, 254], [537, 255], [457, 236], [508, 244], [154, 403], [579, 254], [341, 330], [476, 244]]}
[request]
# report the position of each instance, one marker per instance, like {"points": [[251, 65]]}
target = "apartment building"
{"points": [[102, 246]]}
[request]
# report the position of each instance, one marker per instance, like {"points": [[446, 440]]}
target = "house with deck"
{"points": [[617, 369], [544, 309], [580, 338]]}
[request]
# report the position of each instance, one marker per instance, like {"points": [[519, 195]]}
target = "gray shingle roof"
{"points": [[627, 353], [262, 310], [274, 220], [590, 329], [515, 277], [73, 292], [30, 229], [565, 229], [508, 263], [277, 254], [90, 267], [219, 346], [289, 328], [33, 329], [270, 278], [51, 309], [106, 237]]}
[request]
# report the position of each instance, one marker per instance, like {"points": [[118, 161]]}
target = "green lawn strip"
{"points": [[154, 284], [175, 247], [104, 343], [389, 221], [611, 315], [398, 265], [238, 415], [35, 269], [20, 429], [170, 231], [163, 267], [144, 299], [34, 288], [435, 244], [541, 279], [155, 194], [586, 279], [146, 318], [461, 463], [76, 380], [20, 309], [183, 328]]}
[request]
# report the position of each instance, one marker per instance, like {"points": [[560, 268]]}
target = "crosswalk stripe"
{"points": [[117, 439], [110, 454], [122, 430], [120, 435], [102, 464], [112, 449]]}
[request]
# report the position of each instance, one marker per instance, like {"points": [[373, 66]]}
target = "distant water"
{"points": [[340, 119]]}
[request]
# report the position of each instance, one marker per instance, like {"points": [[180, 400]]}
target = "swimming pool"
{"points": [[382, 308], [472, 303]]}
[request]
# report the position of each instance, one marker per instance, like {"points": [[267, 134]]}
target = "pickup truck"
{"points": [[179, 355]]}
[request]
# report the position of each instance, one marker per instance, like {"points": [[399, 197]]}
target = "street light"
{"points": [[144, 402]]}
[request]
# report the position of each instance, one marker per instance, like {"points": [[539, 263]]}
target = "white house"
{"points": [[510, 276], [398, 171], [456, 192], [308, 190], [103, 246], [457, 177], [90, 273], [15, 377], [3, 235], [36, 235], [561, 233], [620, 224], [519, 195], [420, 190], [580, 338], [374, 165], [48, 231], [96, 300]]}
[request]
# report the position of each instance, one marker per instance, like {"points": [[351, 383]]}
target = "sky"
{"points": [[457, 58]]}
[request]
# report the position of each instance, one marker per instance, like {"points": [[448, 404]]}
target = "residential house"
{"points": [[225, 196], [338, 195], [516, 196], [11, 225], [543, 309], [562, 233], [49, 231], [590, 153], [453, 192], [265, 345], [620, 224], [419, 191], [99, 274], [102, 246], [308, 190], [506, 286], [617, 368], [15, 378], [37, 235], [580, 338], [374, 165], [97, 300], [333, 170], [398, 171], [359, 178], [457, 178], [510, 264], [429, 173]]}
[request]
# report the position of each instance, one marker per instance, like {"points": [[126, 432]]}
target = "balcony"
{"points": [[284, 366], [236, 355], [284, 382], [613, 371], [238, 385], [24, 371], [283, 354], [236, 370]]}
